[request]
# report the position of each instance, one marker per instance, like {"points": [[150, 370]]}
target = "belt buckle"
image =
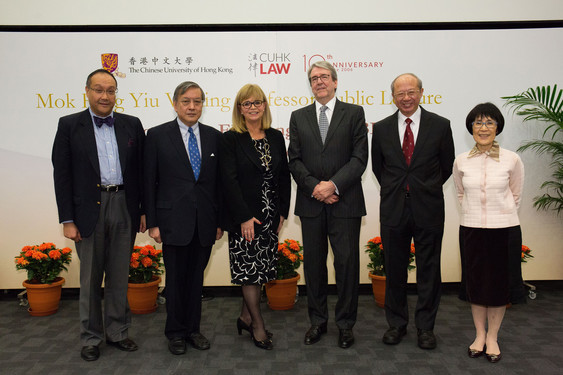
{"points": [[110, 187]]}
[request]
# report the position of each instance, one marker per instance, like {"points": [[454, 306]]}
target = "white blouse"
{"points": [[489, 190]]}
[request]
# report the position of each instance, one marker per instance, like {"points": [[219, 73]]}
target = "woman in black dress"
{"points": [[257, 192]]}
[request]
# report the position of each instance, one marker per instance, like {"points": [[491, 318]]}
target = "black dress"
{"points": [[255, 262]]}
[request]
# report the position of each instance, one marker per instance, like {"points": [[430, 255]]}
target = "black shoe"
{"points": [[474, 353], [242, 325], [90, 353], [493, 358], [198, 341], [177, 345], [314, 333], [426, 339], [394, 335], [127, 345], [346, 338], [263, 344]]}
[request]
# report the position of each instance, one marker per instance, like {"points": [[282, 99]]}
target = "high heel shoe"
{"points": [[263, 344], [242, 325]]}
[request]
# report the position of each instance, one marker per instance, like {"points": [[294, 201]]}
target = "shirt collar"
{"points": [[493, 152], [185, 127], [331, 103], [415, 117], [92, 114]]}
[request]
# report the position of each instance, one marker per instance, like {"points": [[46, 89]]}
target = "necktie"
{"points": [[106, 120], [195, 159], [323, 123], [408, 142]]}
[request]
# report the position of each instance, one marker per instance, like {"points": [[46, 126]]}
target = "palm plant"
{"points": [[546, 105]]}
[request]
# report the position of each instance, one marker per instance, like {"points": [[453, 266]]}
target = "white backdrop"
{"points": [[43, 77]]}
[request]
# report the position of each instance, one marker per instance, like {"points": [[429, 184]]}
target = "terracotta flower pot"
{"points": [[281, 293], [44, 298], [378, 286], [142, 297]]}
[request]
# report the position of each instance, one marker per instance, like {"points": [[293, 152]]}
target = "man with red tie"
{"points": [[97, 159], [412, 157]]}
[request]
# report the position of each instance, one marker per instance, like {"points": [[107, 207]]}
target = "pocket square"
{"points": [[131, 142], [212, 155]]}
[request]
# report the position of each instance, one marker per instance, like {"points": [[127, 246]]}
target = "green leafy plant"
{"points": [[44, 262], [544, 104]]}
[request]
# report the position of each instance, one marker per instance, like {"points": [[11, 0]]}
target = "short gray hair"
{"points": [[323, 65], [418, 81], [185, 86]]}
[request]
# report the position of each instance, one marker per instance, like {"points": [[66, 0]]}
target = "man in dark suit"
{"points": [[97, 160], [182, 202], [328, 154], [412, 205]]}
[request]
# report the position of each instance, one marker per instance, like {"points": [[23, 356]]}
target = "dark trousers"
{"points": [[106, 251], [344, 236], [184, 283], [396, 242]]}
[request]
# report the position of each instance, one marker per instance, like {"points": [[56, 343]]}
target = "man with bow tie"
{"points": [[182, 202], [97, 159]]}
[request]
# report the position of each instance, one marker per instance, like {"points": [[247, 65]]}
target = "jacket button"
{"points": [[98, 203]]}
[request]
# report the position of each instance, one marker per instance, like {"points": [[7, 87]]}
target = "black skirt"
{"points": [[486, 266]]}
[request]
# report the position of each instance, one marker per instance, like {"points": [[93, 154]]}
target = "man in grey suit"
{"points": [[412, 157], [328, 154], [97, 160]]}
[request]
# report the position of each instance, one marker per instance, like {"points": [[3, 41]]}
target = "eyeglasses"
{"points": [[248, 104], [323, 78], [488, 125], [410, 94], [110, 92], [187, 102]]}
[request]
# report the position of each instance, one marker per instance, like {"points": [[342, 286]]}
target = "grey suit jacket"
{"points": [[431, 165], [342, 158]]}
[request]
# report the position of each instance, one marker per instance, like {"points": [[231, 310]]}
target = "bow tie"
{"points": [[106, 120]]}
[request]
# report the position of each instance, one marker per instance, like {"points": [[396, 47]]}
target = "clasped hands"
{"points": [[325, 192]]}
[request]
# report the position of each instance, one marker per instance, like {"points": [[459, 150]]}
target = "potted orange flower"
{"points": [[526, 253], [376, 267], [281, 292], [43, 264], [145, 269]]}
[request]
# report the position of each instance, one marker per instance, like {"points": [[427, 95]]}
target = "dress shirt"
{"points": [[328, 112], [415, 124], [108, 153], [186, 136], [330, 109], [489, 190]]}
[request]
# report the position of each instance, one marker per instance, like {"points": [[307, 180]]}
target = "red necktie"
{"points": [[408, 142]]}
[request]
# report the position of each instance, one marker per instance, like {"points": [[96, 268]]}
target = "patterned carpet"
{"points": [[531, 341]]}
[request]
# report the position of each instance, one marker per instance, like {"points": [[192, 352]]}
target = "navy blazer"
{"points": [[241, 172], [430, 167], [77, 168], [174, 201], [342, 158]]}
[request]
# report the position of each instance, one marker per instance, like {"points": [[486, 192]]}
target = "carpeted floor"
{"points": [[531, 341]]}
